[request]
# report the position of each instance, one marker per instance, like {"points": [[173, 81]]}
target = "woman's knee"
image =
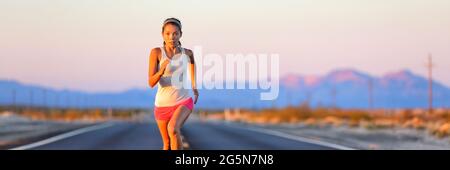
{"points": [[173, 130]]}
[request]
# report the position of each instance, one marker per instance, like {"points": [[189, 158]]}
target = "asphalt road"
{"points": [[145, 136]]}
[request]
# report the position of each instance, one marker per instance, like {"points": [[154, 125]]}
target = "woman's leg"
{"points": [[162, 125], [185, 118], [174, 127]]}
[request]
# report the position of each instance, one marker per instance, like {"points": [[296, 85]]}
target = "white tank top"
{"points": [[170, 86]]}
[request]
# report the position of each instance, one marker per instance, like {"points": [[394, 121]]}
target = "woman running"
{"points": [[167, 65]]}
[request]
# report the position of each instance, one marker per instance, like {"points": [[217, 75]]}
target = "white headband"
{"points": [[172, 20]]}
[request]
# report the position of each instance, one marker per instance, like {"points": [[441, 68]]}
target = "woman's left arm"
{"points": [[193, 74]]}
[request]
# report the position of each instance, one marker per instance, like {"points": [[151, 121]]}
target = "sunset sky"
{"points": [[103, 45]]}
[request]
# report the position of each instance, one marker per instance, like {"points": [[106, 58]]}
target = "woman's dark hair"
{"points": [[172, 21]]}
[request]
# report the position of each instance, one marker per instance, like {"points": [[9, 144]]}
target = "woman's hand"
{"points": [[196, 95], [164, 66]]}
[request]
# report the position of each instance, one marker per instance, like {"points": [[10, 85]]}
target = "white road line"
{"points": [[297, 138], [62, 136]]}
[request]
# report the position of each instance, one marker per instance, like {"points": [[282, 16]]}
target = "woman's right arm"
{"points": [[153, 73]]}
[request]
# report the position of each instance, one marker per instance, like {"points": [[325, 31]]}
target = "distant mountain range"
{"points": [[345, 88], [350, 88]]}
